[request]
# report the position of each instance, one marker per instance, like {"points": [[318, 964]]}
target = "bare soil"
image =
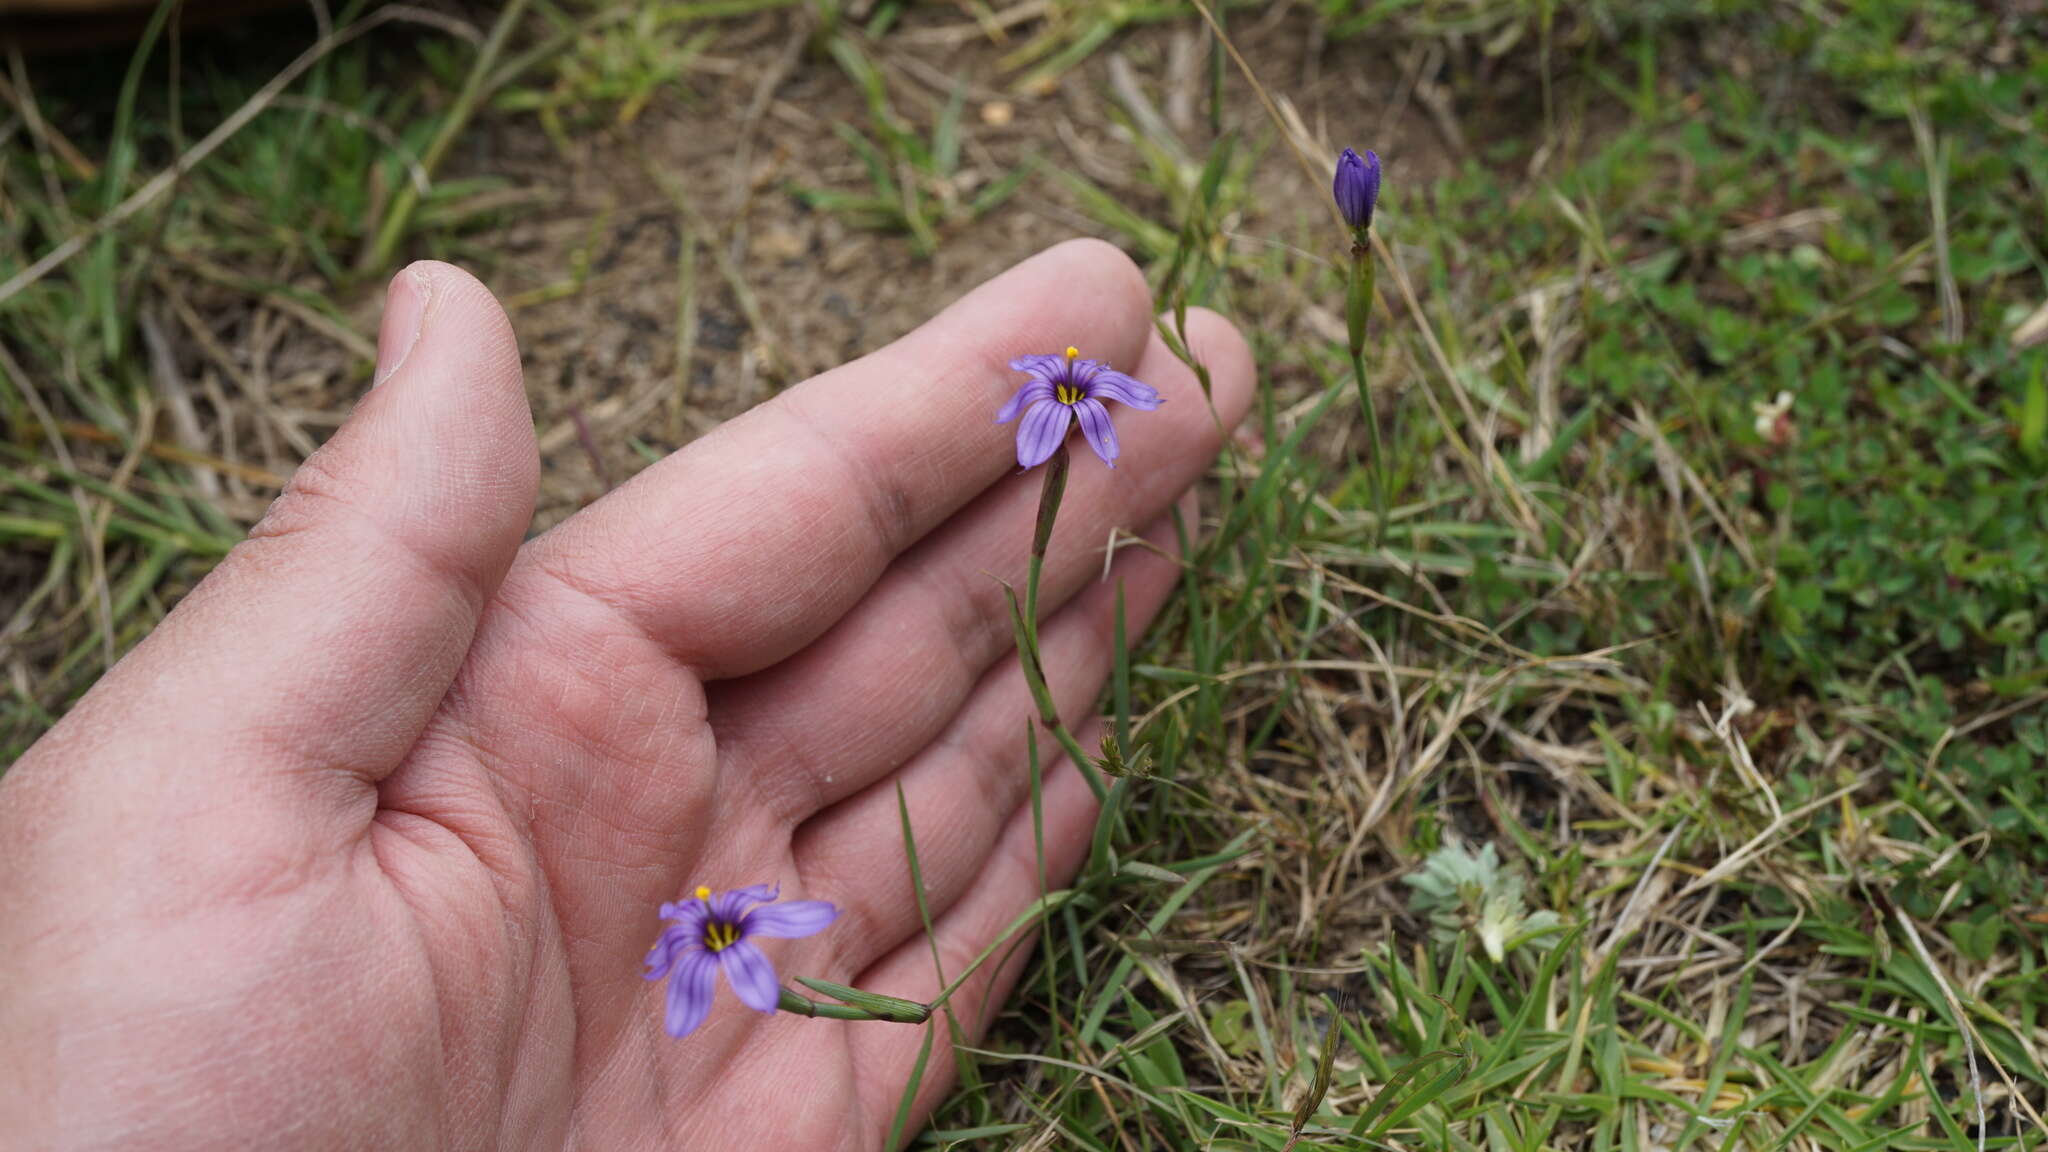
{"points": [[757, 120]]}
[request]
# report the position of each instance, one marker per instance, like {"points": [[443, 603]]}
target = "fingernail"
{"points": [[405, 314]]}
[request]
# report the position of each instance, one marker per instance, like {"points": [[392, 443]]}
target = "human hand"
{"points": [[362, 847]]}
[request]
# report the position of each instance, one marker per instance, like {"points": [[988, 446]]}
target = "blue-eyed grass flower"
{"points": [[1066, 389], [712, 933]]}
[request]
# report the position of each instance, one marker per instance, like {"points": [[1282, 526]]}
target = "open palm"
{"points": [[363, 847]]}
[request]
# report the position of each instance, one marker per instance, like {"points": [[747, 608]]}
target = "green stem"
{"points": [[887, 1009], [1050, 493], [1026, 621], [1072, 748], [474, 88], [805, 1006], [1377, 468], [1358, 296], [1048, 714]]}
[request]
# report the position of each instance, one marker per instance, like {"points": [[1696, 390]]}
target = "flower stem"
{"points": [[1049, 496], [817, 1009], [1048, 714], [1357, 309], [861, 1005], [1025, 622], [1377, 469]]}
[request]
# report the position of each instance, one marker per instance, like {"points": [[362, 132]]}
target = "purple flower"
{"points": [[1357, 187], [713, 933], [1063, 389]]}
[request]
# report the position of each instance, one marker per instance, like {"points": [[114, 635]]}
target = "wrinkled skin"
{"points": [[362, 847]]}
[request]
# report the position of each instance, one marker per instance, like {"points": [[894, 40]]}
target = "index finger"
{"points": [[747, 544]]}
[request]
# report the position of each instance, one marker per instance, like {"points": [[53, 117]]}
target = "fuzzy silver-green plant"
{"points": [[1461, 893]]}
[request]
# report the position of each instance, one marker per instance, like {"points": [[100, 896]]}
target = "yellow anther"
{"points": [[703, 893], [1072, 352]]}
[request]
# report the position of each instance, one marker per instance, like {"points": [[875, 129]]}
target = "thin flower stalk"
{"points": [[1356, 189], [855, 1004], [1034, 678]]}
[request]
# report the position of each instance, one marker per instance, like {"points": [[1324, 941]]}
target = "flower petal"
{"points": [[752, 976], [659, 959], [1127, 390], [690, 993], [789, 920], [1040, 434], [674, 942], [1038, 365], [1356, 186], [1096, 428], [689, 913], [1038, 389], [727, 907]]}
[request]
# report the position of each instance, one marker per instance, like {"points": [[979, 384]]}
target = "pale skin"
{"points": [[363, 846]]}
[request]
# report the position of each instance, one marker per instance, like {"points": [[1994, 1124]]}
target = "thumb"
{"points": [[315, 653]]}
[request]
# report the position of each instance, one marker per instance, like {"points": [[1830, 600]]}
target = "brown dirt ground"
{"points": [[827, 292], [584, 232], [580, 232]]}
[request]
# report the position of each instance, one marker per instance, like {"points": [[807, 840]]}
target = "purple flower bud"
{"points": [[1357, 187]]}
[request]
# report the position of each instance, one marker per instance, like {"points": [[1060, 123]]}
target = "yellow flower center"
{"points": [[1067, 394], [718, 935]]}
